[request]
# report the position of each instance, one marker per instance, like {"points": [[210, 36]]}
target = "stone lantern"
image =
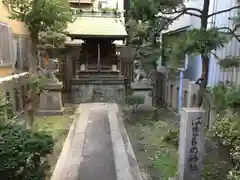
{"points": [[51, 99]]}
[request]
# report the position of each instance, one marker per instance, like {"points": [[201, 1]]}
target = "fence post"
{"points": [[12, 95], [126, 85], [180, 93], [175, 95], [166, 89], [192, 89], [154, 88]]}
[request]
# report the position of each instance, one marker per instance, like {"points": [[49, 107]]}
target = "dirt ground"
{"points": [[157, 159]]}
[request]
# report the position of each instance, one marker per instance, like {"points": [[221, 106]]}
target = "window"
{"points": [[102, 4], [21, 51], [6, 43]]}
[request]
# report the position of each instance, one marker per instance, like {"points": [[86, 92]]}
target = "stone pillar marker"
{"points": [[191, 143]]}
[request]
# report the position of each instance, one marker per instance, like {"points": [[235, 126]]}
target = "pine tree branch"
{"points": [[169, 19], [231, 32], [184, 10], [223, 11]]}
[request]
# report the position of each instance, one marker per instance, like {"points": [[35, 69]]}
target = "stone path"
{"points": [[97, 150], [97, 147]]}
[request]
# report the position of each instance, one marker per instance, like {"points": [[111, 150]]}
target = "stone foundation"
{"points": [[51, 100], [98, 89], [143, 88]]}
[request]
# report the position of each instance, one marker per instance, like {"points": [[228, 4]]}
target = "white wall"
{"points": [[111, 4], [231, 48]]}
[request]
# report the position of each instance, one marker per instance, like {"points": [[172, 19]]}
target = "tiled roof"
{"points": [[97, 26]]}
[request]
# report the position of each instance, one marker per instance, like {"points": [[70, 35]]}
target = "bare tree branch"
{"points": [[169, 19], [223, 11], [230, 32], [183, 10], [216, 56]]}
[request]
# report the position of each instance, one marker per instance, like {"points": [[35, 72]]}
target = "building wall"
{"points": [[194, 67], [216, 74], [18, 29]]}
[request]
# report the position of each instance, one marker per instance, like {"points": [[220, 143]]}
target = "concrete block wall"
{"points": [[189, 97], [15, 88]]}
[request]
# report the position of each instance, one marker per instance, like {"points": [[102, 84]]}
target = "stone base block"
{"points": [[50, 103], [50, 112]]}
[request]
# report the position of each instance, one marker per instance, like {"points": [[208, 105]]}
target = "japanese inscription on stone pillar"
{"points": [[191, 144], [193, 152]]}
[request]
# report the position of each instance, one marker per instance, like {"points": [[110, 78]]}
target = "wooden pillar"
{"points": [[98, 60], [68, 74]]}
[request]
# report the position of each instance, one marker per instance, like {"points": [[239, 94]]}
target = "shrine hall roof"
{"points": [[97, 27]]}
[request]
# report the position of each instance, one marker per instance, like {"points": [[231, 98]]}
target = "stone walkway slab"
{"points": [[97, 147], [97, 151]]}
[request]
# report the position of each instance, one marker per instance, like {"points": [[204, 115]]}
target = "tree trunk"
{"points": [[204, 56], [204, 77], [32, 95]]}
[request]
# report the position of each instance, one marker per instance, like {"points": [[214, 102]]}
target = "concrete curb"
{"points": [[125, 162], [128, 147], [68, 164]]}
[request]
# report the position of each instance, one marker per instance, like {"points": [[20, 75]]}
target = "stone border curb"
{"points": [[66, 169], [125, 162], [128, 147]]}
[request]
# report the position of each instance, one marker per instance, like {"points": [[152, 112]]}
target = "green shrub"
{"points": [[227, 131], [172, 137], [134, 100], [23, 153], [226, 96]]}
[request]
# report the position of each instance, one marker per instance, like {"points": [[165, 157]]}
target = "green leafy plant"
{"points": [[37, 82], [229, 63], [227, 131], [134, 101], [23, 152], [172, 137], [107, 10], [148, 56], [131, 104], [226, 96], [51, 39], [40, 16], [5, 109], [196, 41]]}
